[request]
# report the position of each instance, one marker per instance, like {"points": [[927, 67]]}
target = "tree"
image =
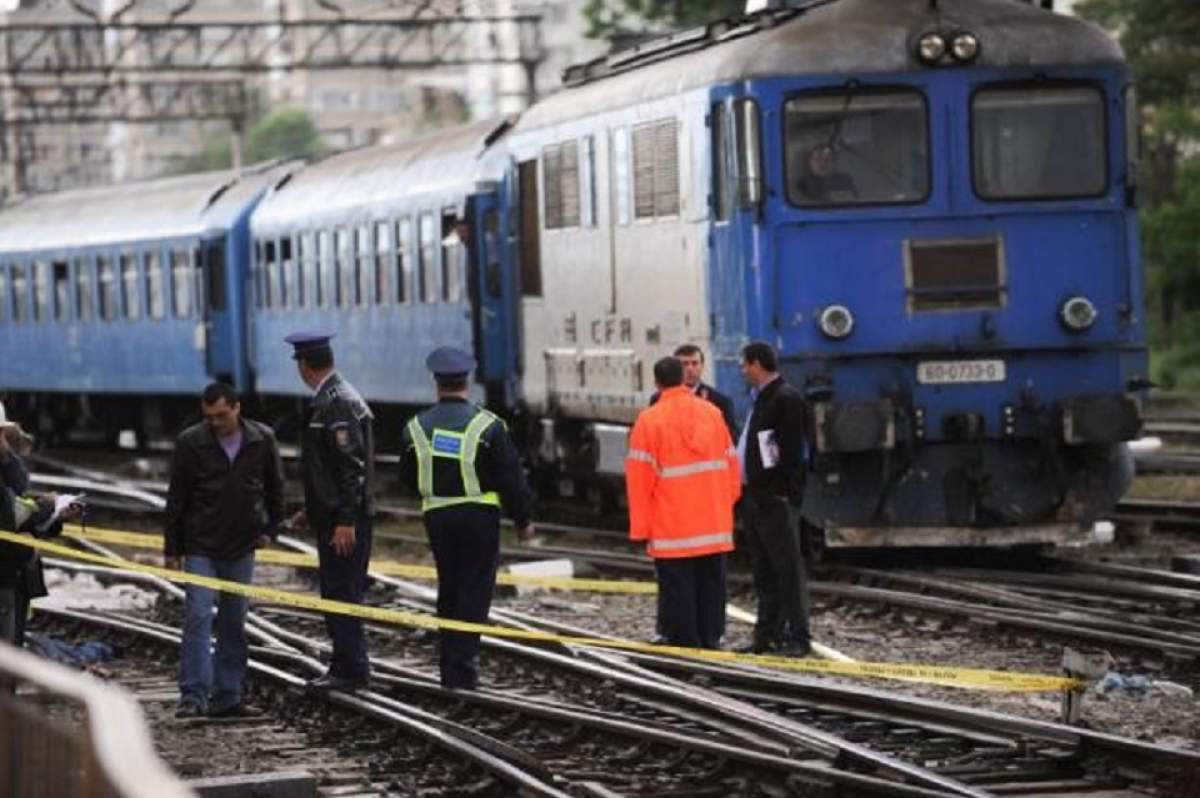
{"points": [[287, 133], [1161, 39], [622, 21]]}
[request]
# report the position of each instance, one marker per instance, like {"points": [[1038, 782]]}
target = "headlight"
{"points": [[837, 321], [964, 48], [1078, 313], [931, 47]]}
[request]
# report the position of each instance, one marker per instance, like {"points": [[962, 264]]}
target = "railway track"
{"points": [[615, 725]]}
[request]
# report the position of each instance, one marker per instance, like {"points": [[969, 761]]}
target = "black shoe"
{"points": [[792, 648], [238, 710], [189, 709], [331, 682]]}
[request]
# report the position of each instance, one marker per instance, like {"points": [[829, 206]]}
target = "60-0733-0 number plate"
{"points": [[943, 372]]}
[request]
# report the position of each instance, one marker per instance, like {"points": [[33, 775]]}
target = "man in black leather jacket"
{"points": [[224, 501], [771, 448], [338, 456]]}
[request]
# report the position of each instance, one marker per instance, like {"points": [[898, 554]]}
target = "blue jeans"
{"points": [[199, 671]]}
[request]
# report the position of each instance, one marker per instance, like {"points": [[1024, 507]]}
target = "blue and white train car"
{"points": [[925, 205], [118, 304], [367, 244]]}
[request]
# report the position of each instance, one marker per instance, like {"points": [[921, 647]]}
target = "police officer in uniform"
{"points": [[460, 459], [337, 460]]}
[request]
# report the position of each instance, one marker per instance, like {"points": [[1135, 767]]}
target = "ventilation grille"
{"points": [[955, 275]]}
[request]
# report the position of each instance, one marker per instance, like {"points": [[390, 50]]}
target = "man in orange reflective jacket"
{"points": [[683, 478]]}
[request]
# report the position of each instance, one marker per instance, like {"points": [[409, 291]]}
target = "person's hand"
{"points": [[262, 541], [526, 533], [298, 522], [343, 540], [173, 563]]}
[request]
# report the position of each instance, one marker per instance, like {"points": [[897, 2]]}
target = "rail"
{"points": [[109, 756]]}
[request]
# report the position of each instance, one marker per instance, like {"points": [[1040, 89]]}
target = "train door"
{"points": [[493, 294], [214, 302], [734, 213]]}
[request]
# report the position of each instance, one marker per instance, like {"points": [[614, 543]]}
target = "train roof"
{"points": [[379, 175], [184, 205], [822, 37]]}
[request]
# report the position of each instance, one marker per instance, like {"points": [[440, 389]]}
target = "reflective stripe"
{"points": [[23, 510], [642, 456], [464, 453], [696, 541], [693, 468]]}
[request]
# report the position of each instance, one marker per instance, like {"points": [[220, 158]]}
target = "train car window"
{"points": [[215, 252], [531, 250], [383, 261], [403, 258], [324, 261], [620, 174], [107, 294], [304, 269], [363, 260], [427, 242], [344, 281], [287, 273], [560, 183], [494, 275], [260, 275], [62, 290], [154, 285], [42, 297], [83, 289], [1039, 142], [3, 293], [454, 252], [587, 181], [271, 267], [181, 284], [749, 152], [722, 207], [20, 294], [857, 148], [131, 297], [1133, 134], [656, 169]]}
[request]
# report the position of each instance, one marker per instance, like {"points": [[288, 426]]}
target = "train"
{"points": [[927, 206]]}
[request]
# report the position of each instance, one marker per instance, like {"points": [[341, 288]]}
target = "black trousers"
{"points": [[691, 600], [773, 541], [345, 579], [465, 539]]}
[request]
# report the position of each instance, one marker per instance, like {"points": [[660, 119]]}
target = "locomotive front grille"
{"points": [[954, 275]]}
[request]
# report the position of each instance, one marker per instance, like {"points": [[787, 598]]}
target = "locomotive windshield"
{"points": [[857, 148], [1038, 143]]}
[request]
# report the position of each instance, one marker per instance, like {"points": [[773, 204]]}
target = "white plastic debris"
{"points": [[84, 592]]}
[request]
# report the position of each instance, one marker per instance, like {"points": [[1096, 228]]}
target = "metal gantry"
{"points": [[149, 62]]}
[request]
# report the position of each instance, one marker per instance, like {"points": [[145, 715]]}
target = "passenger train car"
{"points": [[927, 206], [118, 304]]}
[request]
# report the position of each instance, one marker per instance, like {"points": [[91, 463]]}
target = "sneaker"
{"points": [[189, 709], [238, 710]]}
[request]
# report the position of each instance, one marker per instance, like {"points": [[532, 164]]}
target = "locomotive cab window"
{"points": [[857, 148], [1038, 142]]}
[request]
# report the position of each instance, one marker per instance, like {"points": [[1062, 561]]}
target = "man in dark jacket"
{"points": [[691, 357], [771, 449], [460, 460], [338, 461], [225, 500]]}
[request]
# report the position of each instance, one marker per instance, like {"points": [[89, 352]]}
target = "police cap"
{"points": [[307, 342], [450, 362]]}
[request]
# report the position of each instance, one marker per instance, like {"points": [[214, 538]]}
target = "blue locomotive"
{"points": [[925, 205]]}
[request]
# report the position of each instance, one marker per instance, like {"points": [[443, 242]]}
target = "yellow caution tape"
{"points": [[976, 678], [386, 567]]}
